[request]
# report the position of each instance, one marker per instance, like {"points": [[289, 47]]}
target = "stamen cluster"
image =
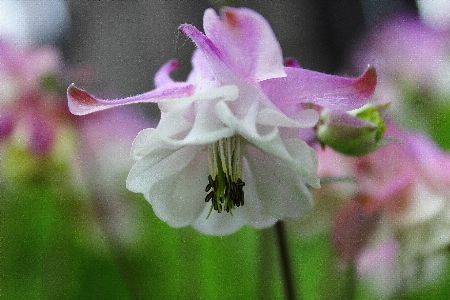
{"points": [[225, 185]]}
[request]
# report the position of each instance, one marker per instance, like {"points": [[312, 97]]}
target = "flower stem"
{"points": [[285, 261], [350, 281]]}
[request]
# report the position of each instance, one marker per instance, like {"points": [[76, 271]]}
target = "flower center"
{"points": [[225, 185]]}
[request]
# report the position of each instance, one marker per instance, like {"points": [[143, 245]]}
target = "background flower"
{"points": [[396, 202], [413, 64], [30, 107]]}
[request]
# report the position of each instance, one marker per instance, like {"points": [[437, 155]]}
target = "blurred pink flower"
{"points": [[27, 108], [101, 165], [405, 47], [104, 154], [413, 65], [402, 196], [232, 127]]}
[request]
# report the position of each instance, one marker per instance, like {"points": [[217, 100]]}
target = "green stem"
{"points": [[350, 281], [285, 261]]}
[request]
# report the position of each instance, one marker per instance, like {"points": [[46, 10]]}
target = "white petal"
{"points": [[255, 213], [307, 158], [179, 199], [207, 128], [218, 223], [281, 190], [201, 138], [224, 93], [304, 119], [160, 164], [246, 127], [150, 139], [144, 143]]}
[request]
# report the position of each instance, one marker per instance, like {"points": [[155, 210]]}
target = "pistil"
{"points": [[225, 186]]}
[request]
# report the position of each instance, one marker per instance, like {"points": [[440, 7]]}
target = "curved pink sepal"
{"points": [[330, 91], [247, 42], [82, 103], [213, 55], [162, 77]]}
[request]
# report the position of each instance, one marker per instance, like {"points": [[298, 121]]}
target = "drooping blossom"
{"points": [[232, 129], [399, 211]]}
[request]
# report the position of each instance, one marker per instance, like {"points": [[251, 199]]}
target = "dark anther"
{"points": [[226, 198], [211, 183], [209, 196]]}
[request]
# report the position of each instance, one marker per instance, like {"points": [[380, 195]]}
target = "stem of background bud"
{"points": [[350, 281], [286, 271]]}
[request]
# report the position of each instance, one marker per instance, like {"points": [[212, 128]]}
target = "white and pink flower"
{"points": [[232, 127]]}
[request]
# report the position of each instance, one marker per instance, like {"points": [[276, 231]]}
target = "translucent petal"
{"points": [[218, 223], [305, 156], [160, 164], [304, 119], [179, 199], [281, 190]]}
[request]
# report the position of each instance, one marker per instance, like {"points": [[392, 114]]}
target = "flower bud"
{"points": [[355, 133]]}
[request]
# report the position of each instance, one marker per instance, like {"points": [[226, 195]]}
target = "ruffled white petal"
{"points": [[160, 164], [150, 139], [305, 160], [224, 93], [206, 128], [280, 189], [304, 119], [179, 199]]}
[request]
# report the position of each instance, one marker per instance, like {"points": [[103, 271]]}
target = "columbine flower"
{"points": [[227, 151]]}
